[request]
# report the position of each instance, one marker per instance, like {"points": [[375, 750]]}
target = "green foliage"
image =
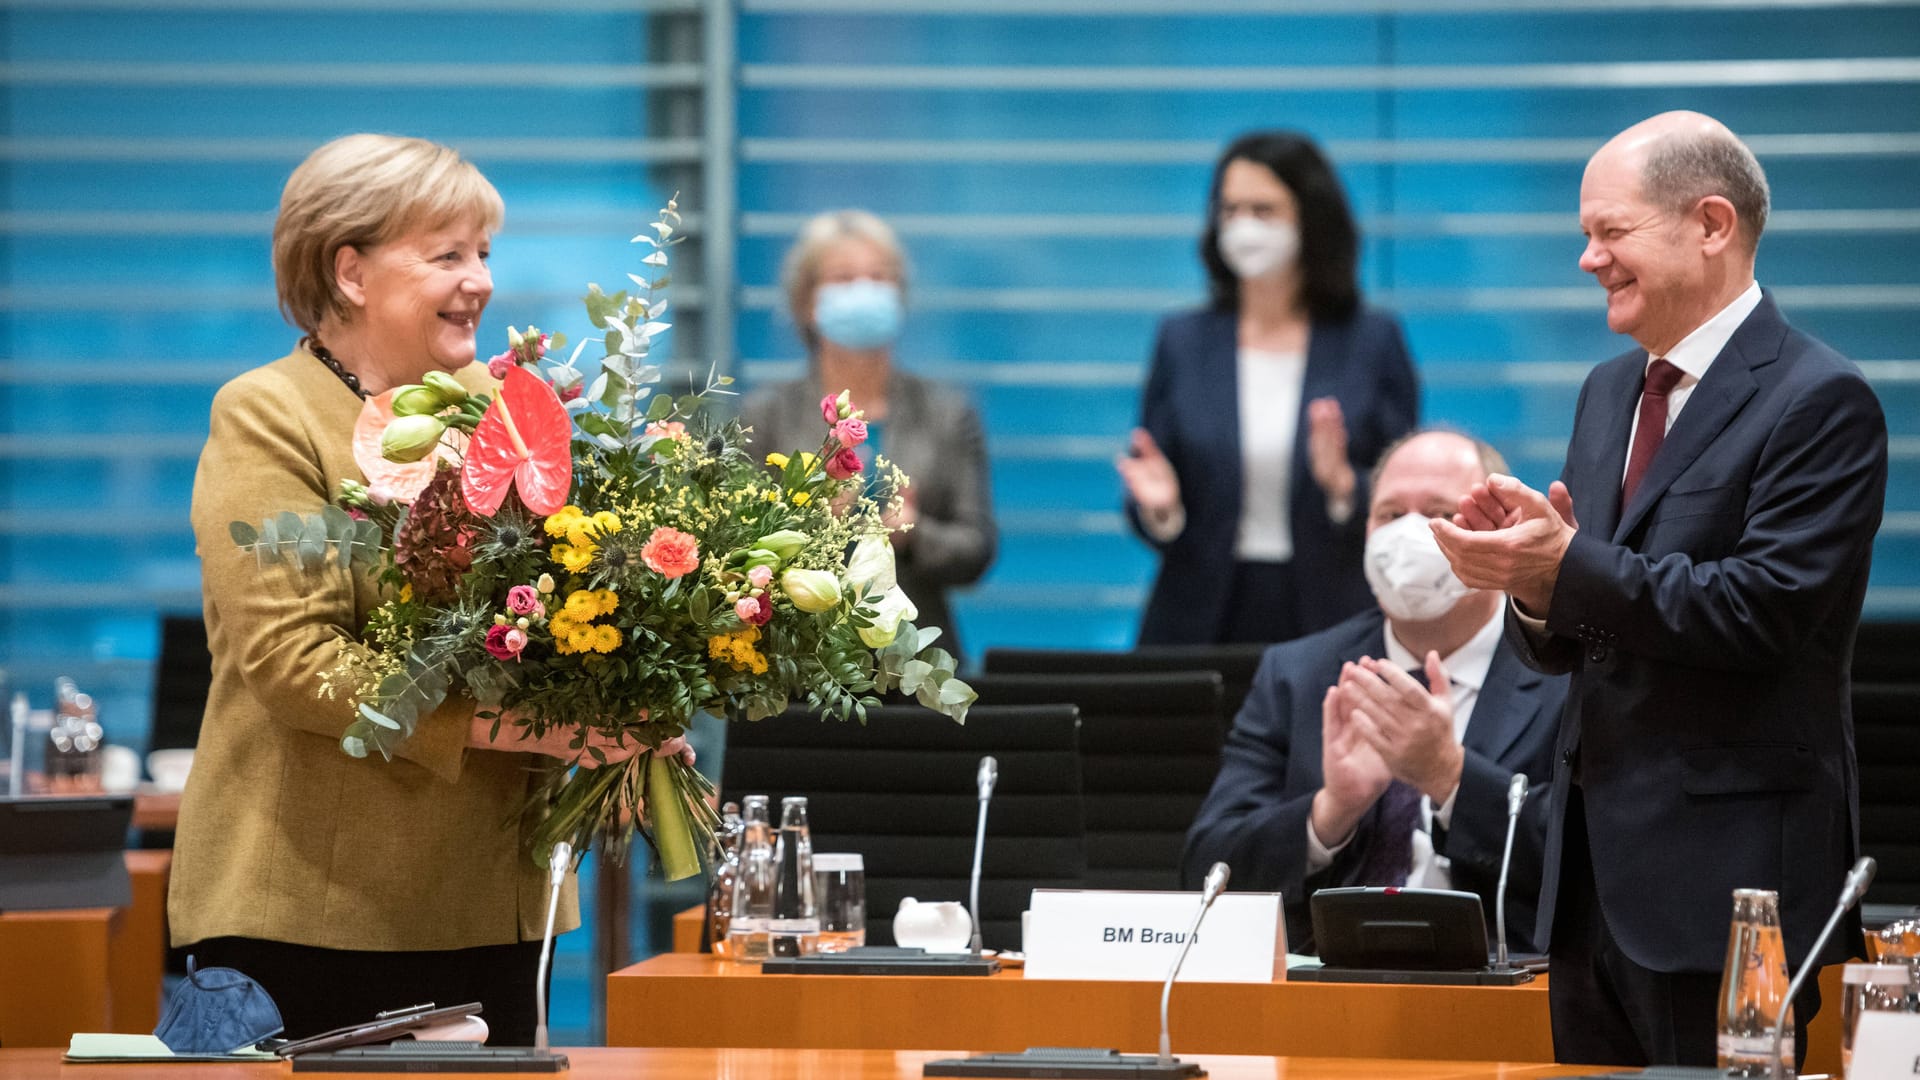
{"points": [[311, 543]]}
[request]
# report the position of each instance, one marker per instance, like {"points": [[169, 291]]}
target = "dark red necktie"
{"points": [[1661, 378]]}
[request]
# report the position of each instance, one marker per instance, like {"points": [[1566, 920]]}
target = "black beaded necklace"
{"points": [[333, 364]]}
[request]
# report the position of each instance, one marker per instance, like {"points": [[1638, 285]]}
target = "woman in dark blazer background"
{"points": [[845, 280], [1264, 412]]}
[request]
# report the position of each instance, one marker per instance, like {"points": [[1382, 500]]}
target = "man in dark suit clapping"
{"points": [[1699, 569], [1345, 768]]}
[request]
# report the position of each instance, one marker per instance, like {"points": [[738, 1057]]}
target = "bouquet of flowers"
{"points": [[610, 559]]}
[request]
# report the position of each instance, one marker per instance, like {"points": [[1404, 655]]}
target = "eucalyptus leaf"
{"points": [[661, 408], [313, 543], [914, 675], [378, 717], [243, 534]]}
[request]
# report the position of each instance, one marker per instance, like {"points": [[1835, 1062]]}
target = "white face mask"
{"points": [[1408, 572], [1253, 248]]}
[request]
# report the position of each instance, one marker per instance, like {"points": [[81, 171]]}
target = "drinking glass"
{"points": [[840, 886]]}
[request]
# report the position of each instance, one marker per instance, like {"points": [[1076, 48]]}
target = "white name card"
{"points": [[1077, 934], [1886, 1046]]}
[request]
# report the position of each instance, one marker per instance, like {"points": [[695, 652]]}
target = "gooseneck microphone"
{"points": [[557, 866], [1210, 891], [988, 775], [1516, 798], [1855, 887]]}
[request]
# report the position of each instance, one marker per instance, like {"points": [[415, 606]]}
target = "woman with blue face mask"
{"points": [[845, 279], [1264, 411]]}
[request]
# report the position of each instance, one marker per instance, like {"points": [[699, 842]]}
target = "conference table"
{"points": [[86, 969], [691, 999], [607, 1063]]}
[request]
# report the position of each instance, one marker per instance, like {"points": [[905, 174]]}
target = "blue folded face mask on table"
{"points": [[217, 1011]]}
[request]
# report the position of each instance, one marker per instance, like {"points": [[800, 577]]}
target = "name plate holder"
{"points": [[1886, 1046], [1134, 936]]}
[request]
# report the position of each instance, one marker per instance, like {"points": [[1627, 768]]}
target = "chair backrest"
{"points": [[900, 790], [1884, 718], [1149, 749], [181, 677], [1235, 663], [1887, 652]]}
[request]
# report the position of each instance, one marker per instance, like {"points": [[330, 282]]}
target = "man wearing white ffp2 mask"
{"points": [[1379, 751], [1408, 573]]}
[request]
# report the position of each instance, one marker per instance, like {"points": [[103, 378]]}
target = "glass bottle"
{"points": [[1753, 986], [796, 917], [753, 888], [726, 876]]}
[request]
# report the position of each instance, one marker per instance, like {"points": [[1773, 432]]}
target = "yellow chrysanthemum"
{"points": [[778, 461], [606, 638], [581, 638], [575, 556], [561, 520], [607, 600], [759, 664], [607, 522], [802, 498], [717, 646], [582, 605]]}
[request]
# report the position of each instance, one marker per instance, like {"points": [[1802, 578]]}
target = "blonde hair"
{"points": [[362, 190], [800, 270]]}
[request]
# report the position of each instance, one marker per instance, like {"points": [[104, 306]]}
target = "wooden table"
{"points": [[86, 969], [703, 1064], [694, 1000]]}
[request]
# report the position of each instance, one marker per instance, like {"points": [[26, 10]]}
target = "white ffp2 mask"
{"points": [[1408, 572], [1252, 248]]}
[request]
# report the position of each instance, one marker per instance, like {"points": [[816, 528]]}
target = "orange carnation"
{"points": [[671, 553]]}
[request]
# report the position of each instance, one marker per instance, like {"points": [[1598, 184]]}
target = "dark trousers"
{"points": [[321, 989], [1264, 606], [1607, 1009]]}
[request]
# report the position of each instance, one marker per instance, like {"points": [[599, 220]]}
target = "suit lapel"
{"points": [[1617, 399], [1219, 395], [1505, 706], [1725, 389]]}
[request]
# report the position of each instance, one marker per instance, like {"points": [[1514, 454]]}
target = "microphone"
{"points": [[557, 866], [1516, 798], [1209, 892], [988, 775], [1851, 891]]}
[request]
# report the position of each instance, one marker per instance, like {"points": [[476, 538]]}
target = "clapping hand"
{"points": [[1353, 775], [1509, 537], [1410, 727], [1327, 448], [1149, 476]]}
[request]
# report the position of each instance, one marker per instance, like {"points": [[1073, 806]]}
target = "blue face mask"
{"points": [[862, 314], [216, 1011]]}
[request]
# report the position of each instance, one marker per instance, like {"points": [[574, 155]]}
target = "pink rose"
{"points": [[759, 576], [851, 432], [667, 429], [506, 642], [524, 600], [671, 553], [498, 366], [830, 409], [844, 464], [747, 608]]}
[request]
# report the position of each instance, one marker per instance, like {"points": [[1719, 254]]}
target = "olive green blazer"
{"points": [[282, 836]]}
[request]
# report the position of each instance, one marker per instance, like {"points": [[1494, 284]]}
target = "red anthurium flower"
{"points": [[526, 436]]}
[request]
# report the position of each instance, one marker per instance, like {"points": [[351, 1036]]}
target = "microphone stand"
{"points": [[556, 876], [1858, 879], [1216, 883], [988, 775], [1516, 798]]}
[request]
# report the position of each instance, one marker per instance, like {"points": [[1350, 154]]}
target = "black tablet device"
{"points": [[64, 851], [1400, 929]]}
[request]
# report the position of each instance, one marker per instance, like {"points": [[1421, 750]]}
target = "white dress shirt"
{"points": [[1467, 669]]}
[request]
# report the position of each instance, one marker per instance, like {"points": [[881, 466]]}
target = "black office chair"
{"points": [[181, 677], [1235, 663], [1887, 652], [901, 791], [1149, 749], [1884, 720]]}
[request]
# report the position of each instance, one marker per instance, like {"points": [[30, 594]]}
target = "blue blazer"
{"points": [[1708, 626], [1192, 410], [1255, 818]]}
